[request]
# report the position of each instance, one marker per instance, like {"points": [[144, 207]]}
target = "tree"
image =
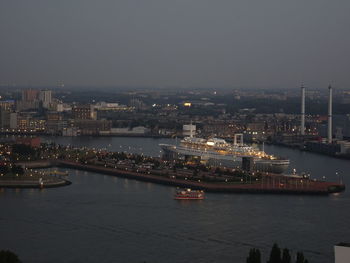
{"points": [[254, 256], [286, 258], [6, 256], [22, 149], [16, 169], [275, 255], [4, 169], [301, 258], [218, 171]]}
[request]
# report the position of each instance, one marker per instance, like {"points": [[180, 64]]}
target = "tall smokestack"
{"points": [[302, 125], [330, 114]]}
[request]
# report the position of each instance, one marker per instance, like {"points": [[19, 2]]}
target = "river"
{"points": [[101, 218]]}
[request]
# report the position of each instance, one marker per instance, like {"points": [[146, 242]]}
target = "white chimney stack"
{"points": [[330, 114], [302, 126]]}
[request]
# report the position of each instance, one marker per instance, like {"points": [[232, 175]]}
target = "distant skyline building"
{"points": [[302, 126], [330, 98], [45, 96], [4, 118], [30, 95], [84, 112], [13, 120], [7, 104], [30, 100]]}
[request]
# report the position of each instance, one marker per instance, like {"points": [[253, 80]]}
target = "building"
{"points": [[30, 100], [4, 118], [56, 127], [92, 127], [30, 95], [7, 104], [54, 116], [24, 105], [342, 253], [32, 142], [83, 112], [45, 96], [136, 131], [13, 120], [344, 147], [29, 123], [62, 107], [71, 131]]}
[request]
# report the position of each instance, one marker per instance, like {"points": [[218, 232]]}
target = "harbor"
{"points": [[112, 194]]}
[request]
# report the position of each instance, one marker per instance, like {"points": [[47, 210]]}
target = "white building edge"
{"points": [[342, 253]]}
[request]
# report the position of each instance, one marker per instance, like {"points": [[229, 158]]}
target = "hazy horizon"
{"points": [[191, 43]]}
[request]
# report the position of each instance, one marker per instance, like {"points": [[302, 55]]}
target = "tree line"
{"points": [[276, 256]]}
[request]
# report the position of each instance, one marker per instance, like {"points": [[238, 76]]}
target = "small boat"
{"points": [[188, 194]]}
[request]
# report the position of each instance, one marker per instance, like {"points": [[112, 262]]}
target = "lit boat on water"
{"points": [[188, 194], [218, 152]]}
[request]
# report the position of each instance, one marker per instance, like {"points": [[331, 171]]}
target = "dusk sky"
{"points": [[224, 43]]}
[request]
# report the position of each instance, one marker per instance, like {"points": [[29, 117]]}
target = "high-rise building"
{"points": [[4, 118], [13, 120], [30, 100], [30, 95], [302, 125], [7, 104], [45, 96], [329, 133]]}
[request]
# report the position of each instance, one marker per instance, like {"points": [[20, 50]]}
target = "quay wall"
{"points": [[317, 188]]}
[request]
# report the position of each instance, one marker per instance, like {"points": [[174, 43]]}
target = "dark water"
{"points": [[107, 219]]}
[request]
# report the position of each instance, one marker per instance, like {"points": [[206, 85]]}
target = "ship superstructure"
{"points": [[219, 152]]}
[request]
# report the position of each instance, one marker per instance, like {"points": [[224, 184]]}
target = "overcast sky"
{"points": [[209, 43]]}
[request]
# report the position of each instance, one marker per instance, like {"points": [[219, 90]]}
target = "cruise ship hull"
{"points": [[224, 160]]}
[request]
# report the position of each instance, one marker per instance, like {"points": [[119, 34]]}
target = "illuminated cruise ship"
{"points": [[218, 152]]}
